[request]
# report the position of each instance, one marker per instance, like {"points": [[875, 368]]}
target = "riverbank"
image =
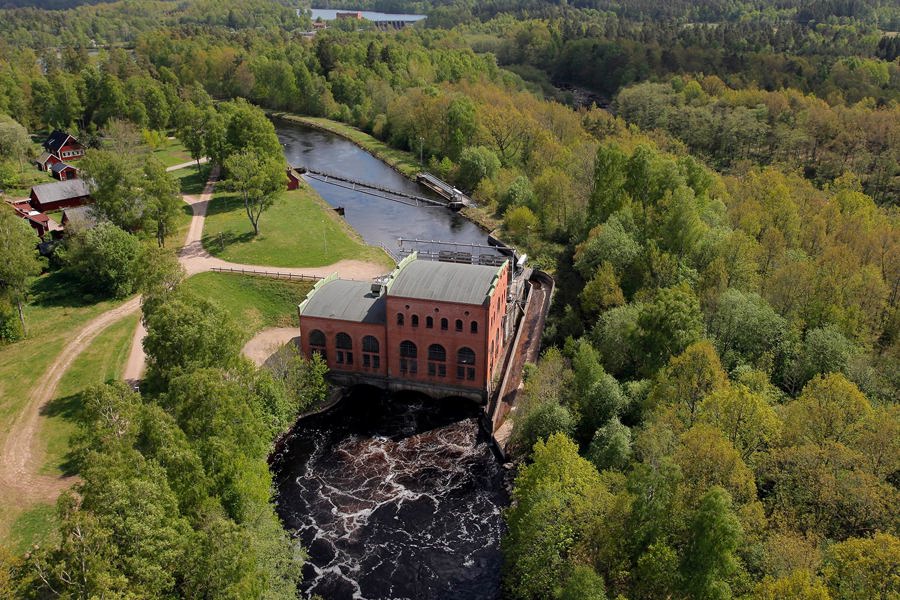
{"points": [[400, 161]]}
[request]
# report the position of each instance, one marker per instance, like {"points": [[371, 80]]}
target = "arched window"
{"points": [[465, 364], [459, 324], [444, 324], [415, 320], [473, 327], [437, 361], [429, 322], [408, 355], [400, 319], [317, 342], [344, 345], [370, 348]]}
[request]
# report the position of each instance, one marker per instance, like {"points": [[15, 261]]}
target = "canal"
{"points": [[378, 221], [393, 496]]}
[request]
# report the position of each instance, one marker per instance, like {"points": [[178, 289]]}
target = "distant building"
{"points": [[433, 327], [60, 194], [59, 147], [349, 15]]}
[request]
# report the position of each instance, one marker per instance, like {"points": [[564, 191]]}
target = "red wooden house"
{"points": [[38, 221], [64, 171], [59, 147]]}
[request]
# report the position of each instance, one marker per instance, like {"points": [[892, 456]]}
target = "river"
{"points": [[394, 496], [378, 221]]}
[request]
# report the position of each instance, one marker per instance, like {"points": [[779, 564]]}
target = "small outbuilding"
{"points": [[64, 171]]}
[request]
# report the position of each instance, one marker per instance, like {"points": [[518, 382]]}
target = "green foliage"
{"points": [[105, 258], [714, 536], [19, 264], [554, 499], [257, 178], [475, 164], [611, 446], [186, 331]]}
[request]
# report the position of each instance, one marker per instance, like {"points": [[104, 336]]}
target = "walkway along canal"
{"points": [[396, 496]]}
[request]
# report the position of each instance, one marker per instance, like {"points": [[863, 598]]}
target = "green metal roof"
{"points": [[444, 281], [345, 300]]}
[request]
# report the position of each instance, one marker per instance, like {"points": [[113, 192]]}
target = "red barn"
{"points": [[60, 194], [433, 327], [293, 179]]}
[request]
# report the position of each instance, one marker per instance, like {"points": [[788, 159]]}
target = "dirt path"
{"points": [[185, 165], [21, 460], [196, 259], [21, 484], [267, 342]]}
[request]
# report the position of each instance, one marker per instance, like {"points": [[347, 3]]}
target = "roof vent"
{"points": [[376, 288]]}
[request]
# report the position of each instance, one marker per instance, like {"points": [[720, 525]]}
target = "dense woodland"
{"points": [[716, 412]]}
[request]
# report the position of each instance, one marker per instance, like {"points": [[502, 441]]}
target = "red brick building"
{"points": [[434, 327]]}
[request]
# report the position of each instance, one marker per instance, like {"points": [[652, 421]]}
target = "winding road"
{"points": [[21, 483]]}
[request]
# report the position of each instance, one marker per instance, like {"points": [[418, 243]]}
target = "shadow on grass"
{"points": [[217, 243], [225, 203], [193, 180], [62, 290], [69, 408]]}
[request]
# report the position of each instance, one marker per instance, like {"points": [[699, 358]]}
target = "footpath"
{"points": [[21, 483]]}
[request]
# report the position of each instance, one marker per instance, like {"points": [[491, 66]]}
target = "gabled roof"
{"points": [[60, 190], [61, 166], [57, 140], [444, 281], [345, 300], [80, 215], [43, 158]]}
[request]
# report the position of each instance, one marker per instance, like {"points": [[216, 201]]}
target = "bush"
{"points": [[10, 326], [105, 258], [540, 423]]}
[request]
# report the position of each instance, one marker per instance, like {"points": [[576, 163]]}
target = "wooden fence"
{"points": [[272, 274]]}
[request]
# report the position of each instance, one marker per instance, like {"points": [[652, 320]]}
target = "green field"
{"points": [[405, 162], [56, 310], [300, 230], [102, 361], [171, 153], [254, 302]]}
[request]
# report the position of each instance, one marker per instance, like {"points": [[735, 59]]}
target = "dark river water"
{"points": [[393, 496], [378, 220]]}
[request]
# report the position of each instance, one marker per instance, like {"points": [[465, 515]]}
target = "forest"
{"points": [[715, 414]]}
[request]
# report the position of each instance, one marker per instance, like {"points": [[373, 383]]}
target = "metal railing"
{"points": [[272, 274]]}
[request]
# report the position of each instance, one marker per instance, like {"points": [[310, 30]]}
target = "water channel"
{"points": [[394, 496], [378, 221]]}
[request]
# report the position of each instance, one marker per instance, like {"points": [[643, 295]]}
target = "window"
{"points": [[344, 344], [437, 361], [408, 355], [415, 320], [465, 364], [459, 324], [370, 348], [400, 319], [473, 327], [429, 322], [317, 342], [444, 324]]}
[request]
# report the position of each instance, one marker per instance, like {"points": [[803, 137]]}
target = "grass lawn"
{"points": [[57, 309], [28, 177], [254, 302], [405, 162], [191, 179], [299, 230], [102, 361], [171, 153], [31, 526]]}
